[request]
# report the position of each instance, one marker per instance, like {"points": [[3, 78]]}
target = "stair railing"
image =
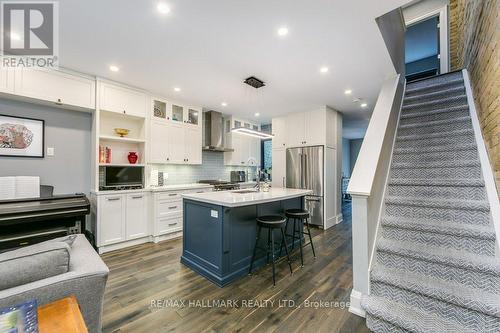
{"points": [[368, 183]]}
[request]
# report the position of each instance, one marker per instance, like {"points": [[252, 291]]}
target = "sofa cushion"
{"points": [[33, 263]]}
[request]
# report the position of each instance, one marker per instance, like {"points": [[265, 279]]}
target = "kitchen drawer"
{"points": [[168, 224], [169, 208], [170, 196]]}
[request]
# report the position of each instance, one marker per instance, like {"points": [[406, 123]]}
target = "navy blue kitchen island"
{"points": [[220, 230]]}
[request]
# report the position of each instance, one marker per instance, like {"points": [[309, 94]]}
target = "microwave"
{"points": [[121, 177]]}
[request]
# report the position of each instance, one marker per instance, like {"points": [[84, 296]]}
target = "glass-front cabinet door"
{"points": [[193, 116], [160, 109], [177, 113]]}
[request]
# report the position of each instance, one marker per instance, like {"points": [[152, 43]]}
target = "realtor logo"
{"points": [[29, 34]]}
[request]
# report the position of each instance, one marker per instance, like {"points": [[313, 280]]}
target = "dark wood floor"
{"points": [[150, 272]]}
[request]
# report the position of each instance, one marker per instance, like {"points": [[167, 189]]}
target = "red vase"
{"points": [[132, 157]]}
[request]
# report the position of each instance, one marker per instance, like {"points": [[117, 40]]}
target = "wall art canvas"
{"points": [[21, 137]]}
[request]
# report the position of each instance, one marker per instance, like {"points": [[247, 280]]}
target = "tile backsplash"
{"points": [[212, 167]]}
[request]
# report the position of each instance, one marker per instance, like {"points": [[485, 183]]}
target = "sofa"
{"points": [[53, 270]]}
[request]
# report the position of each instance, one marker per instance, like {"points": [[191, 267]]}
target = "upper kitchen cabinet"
{"points": [[279, 132], [318, 127], [122, 99], [57, 87]]}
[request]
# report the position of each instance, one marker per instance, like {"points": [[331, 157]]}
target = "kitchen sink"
{"points": [[245, 191]]}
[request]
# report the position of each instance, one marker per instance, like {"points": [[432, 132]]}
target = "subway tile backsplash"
{"points": [[212, 167]]}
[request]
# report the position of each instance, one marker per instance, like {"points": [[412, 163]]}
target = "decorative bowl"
{"points": [[122, 131]]}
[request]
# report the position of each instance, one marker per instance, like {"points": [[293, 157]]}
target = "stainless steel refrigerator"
{"points": [[305, 170]]}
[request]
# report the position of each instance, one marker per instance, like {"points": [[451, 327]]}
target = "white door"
{"points": [[295, 136], [176, 148], [55, 86], [123, 100], [279, 132], [279, 167], [111, 220], [159, 142], [193, 143], [315, 128], [136, 216]]}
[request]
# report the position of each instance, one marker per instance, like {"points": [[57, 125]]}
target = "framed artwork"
{"points": [[21, 137]]}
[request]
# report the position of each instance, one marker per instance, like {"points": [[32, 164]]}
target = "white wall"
{"points": [[393, 29]]}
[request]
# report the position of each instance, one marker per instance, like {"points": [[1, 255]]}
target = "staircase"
{"points": [[435, 268]]}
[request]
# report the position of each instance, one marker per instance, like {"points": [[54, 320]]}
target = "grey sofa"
{"points": [[53, 270]]}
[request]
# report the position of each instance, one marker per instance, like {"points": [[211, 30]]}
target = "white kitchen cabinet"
{"points": [[295, 122], [120, 99], [159, 142], [111, 229], [175, 143], [246, 150], [121, 218], [305, 129], [136, 216], [279, 167], [192, 144], [7, 80], [54, 86], [279, 132]]}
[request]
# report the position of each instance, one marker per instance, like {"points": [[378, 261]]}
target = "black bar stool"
{"points": [[270, 222], [299, 217]]}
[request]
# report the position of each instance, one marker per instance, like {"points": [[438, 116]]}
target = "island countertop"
{"points": [[239, 198]]}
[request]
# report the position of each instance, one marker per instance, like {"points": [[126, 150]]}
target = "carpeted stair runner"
{"points": [[435, 267]]}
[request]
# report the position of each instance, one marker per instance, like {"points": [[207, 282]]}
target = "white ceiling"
{"points": [[207, 48]]}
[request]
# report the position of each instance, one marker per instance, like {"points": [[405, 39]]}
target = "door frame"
{"points": [[444, 40]]}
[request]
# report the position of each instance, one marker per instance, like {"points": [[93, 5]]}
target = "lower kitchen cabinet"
{"points": [[121, 218]]}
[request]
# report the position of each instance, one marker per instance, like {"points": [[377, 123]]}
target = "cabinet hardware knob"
{"points": [[59, 102], [124, 112]]}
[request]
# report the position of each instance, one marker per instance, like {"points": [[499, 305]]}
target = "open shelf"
{"points": [[120, 139]]}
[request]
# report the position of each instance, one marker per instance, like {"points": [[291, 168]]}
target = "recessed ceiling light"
{"points": [[364, 105], [323, 70], [223, 104], [283, 31], [256, 114], [163, 8], [348, 92], [177, 89], [114, 68], [15, 36]]}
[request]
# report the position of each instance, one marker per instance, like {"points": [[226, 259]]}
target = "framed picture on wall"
{"points": [[21, 137]]}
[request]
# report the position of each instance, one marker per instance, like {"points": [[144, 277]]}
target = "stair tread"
{"points": [[441, 227], [436, 122], [447, 99], [433, 149], [453, 293], [448, 257], [436, 93], [436, 165], [408, 115], [425, 136], [437, 86], [460, 182], [408, 317], [481, 205]]}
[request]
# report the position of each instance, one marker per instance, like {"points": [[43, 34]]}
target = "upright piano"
{"points": [[28, 221]]}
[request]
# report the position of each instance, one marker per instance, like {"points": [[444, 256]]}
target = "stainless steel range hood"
{"points": [[213, 132]]}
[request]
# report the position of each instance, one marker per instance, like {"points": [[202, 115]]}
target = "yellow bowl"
{"points": [[122, 131]]}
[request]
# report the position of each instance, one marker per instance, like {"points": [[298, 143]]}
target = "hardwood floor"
{"points": [[146, 273]]}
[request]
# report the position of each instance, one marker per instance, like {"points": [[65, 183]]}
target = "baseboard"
{"points": [[122, 245], [173, 235], [334, 220], [355, 306]]}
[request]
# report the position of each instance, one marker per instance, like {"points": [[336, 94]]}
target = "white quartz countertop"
{"points": [[235, 199]]}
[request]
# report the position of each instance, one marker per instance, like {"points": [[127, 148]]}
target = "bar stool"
{"points": [[299, 217], [271, 223]]}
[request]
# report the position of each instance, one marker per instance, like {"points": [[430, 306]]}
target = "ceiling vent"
{"points": [[254, 82]]}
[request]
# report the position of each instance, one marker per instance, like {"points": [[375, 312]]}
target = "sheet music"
{"points": [[7, 188], [27, 187]]}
